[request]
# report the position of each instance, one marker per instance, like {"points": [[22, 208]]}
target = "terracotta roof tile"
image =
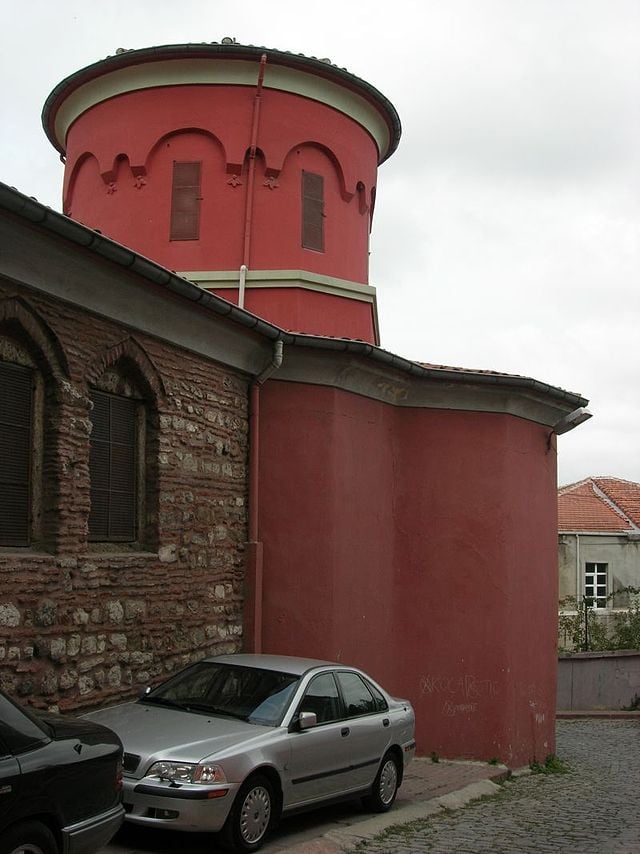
{"points": [[600, 504], [624, 493], [469, 370]]}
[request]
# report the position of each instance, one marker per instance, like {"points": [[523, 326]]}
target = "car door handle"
{"points": [[344, 732], [385, 722], [5, 790]]}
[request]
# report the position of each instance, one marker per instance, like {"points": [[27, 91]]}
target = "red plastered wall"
{"points": [[420, 545], [118, 177]]}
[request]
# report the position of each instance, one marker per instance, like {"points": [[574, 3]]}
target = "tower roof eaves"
{"points": [[126, 58]]}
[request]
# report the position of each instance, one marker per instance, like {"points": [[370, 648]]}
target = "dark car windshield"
{"points": [[248, 693], [20, 729]]}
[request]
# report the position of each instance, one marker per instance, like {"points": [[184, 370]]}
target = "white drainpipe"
{"points": [[242, 280]]}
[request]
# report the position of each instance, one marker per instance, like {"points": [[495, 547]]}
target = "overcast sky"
{"points": [[507, 225]]}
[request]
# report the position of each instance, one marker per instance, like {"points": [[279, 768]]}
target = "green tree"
{"points": [[626, 631], [583, 630]]}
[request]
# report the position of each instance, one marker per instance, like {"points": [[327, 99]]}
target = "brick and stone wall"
{"points": [[81, 623]]}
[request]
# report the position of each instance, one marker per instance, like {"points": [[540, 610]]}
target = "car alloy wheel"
{"points": [[251, 816], [255, 814], [388, 781], [385, 786]]}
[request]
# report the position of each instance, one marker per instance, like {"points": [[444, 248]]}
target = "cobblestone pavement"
{"points": [[593, 809]]}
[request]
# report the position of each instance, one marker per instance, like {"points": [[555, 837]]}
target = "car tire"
{"points": [[251, 816], [30, 837], [385, 786]]}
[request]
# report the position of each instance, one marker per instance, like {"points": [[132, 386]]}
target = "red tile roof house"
{"points": [[599, 541]]}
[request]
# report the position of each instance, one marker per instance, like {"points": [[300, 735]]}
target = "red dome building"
{"points": [[401, 516], [233, 164]]}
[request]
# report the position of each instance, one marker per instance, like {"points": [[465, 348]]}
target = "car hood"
{"points": [[150, 733], [89, 732]]}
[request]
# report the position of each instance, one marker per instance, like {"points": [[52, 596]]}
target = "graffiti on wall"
{"points": [[459, 694]]}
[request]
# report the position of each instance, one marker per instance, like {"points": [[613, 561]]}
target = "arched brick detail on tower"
{"points": [[120, 168], [177, 133], [86, 162], [346, 192], [346, 227]]}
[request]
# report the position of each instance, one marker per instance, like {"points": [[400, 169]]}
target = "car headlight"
{"points": [[185, 772]]}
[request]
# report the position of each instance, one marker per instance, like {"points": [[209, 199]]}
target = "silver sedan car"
{"points": [[234, 742]]}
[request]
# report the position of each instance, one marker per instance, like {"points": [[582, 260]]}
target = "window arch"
{"points": [[33, 370], [16, 443], [124, 388]]}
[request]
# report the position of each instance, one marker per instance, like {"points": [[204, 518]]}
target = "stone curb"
{"points": [[336, 841], [601, 714]]}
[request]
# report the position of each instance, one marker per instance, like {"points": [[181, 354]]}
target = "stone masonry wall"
{"points": [[84, 624]]}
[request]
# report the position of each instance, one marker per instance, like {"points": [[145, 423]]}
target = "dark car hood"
{"points": [[60, 726]]}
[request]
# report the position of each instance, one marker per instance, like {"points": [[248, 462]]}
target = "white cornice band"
{"points": [[184, 72], [283, 279], [261, 279]]}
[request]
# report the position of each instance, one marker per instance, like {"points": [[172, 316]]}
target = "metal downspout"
{"points": [[241, 285], [251, 169], [254, 574]]}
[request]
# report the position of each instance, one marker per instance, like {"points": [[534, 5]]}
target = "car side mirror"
{"points": [[307, 720]]}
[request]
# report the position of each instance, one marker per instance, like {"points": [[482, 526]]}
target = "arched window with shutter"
{"points": [[16, 426], [113, 467], [312, 211], [185, 201], [125, 389]]}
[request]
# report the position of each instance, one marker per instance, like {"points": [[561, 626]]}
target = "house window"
{"points": [[185, 201], [312, 211], [113, 468], [595, 583], [16, 427]]}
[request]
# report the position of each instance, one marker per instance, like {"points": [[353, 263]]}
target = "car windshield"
{"points": [[247, 693], [21, 728]]}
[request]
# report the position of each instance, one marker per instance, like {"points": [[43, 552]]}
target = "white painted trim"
{"points": [[598, 533], [183, 72], [282, 279]]}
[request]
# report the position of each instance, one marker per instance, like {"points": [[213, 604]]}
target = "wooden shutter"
{"points": [[16, 418], [112, 467], [185, 201], [312, 211]]}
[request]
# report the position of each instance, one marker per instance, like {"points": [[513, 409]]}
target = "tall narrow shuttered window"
{"points": [[312, 211], [113, 467], [16, 423], [185, 201]]}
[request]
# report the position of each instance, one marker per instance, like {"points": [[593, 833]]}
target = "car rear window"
{"points": [[360, 696], [18, 730]]}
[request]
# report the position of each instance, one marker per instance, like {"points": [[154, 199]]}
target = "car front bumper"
{"points": [[184, 807], [87, 836]]}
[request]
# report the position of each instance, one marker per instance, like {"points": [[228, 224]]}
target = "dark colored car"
{"points": [[60, 783]]}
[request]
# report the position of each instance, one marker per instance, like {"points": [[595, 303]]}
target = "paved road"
{"points": [[594, 809]]}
